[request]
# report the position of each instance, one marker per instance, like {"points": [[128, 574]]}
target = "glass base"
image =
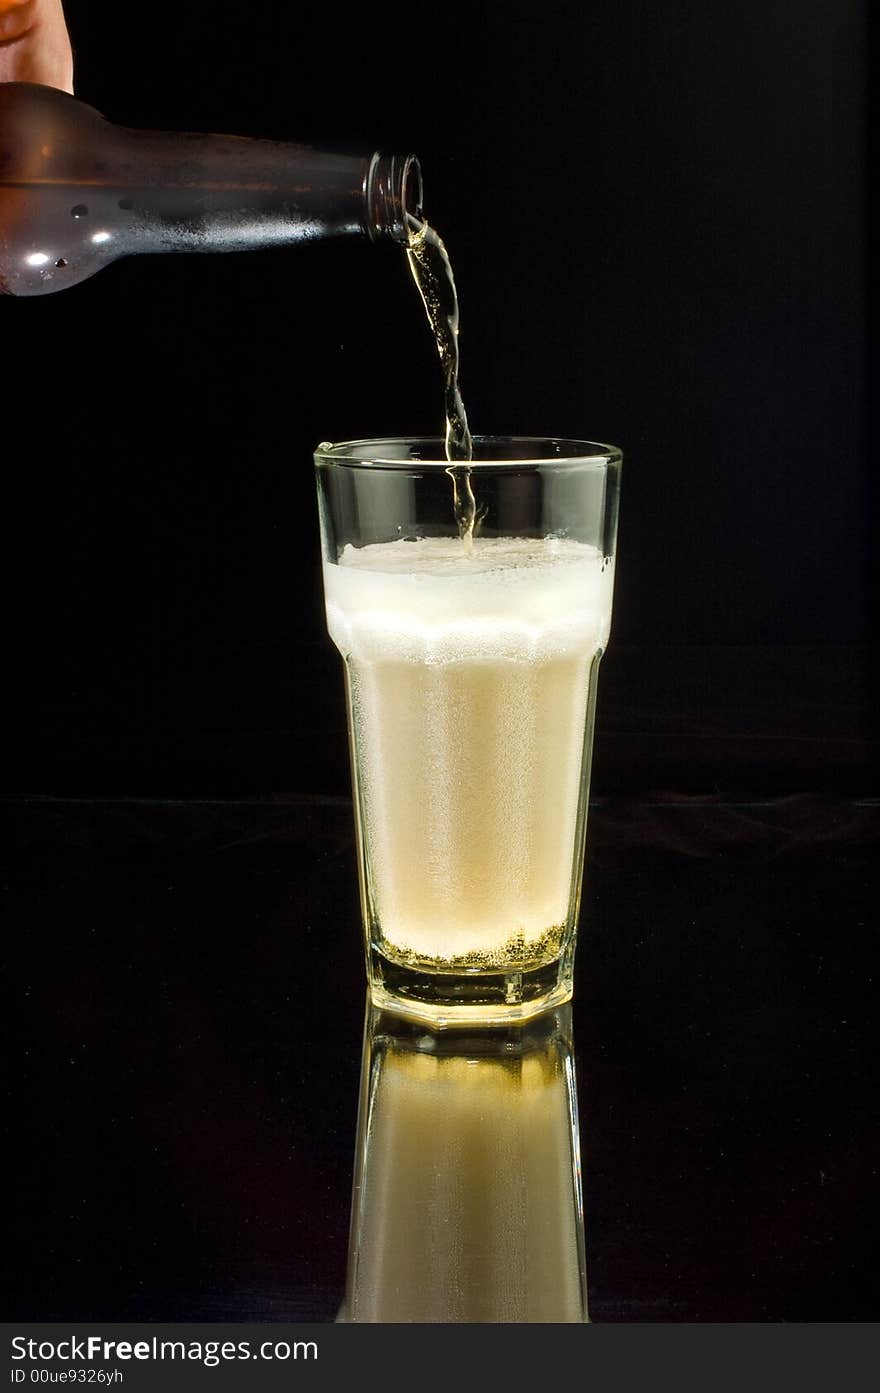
{"points": [[440, 999]]}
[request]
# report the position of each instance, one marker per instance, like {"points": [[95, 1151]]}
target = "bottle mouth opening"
{"points": [[413, 191], [393, 196]]}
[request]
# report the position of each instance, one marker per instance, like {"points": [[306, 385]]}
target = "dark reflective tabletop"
{"points": [[186, 1001]]}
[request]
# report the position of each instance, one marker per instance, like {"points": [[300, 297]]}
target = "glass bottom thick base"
{"points": [[440, 999]]}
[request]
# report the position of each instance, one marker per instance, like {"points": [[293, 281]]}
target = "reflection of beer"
{"points": [[469, 678], [467, 1199]]}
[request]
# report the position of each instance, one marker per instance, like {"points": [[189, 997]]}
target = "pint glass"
{"points": [[471, 666]]}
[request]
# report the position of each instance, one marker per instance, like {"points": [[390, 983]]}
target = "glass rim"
{"points": [[535, 451]]}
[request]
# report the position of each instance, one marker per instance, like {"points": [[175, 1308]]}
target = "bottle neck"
{"points": [[233, 192], [392, 195]]}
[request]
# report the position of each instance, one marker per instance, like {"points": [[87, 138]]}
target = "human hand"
{"points": [[34, 44]]}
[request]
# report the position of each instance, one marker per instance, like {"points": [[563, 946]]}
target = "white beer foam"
{"points": [[434, 600]]}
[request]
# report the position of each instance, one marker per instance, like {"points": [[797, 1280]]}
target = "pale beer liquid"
{"points": [[432, 273], [470, 673]]}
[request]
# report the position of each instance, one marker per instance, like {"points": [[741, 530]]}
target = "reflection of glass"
{"points": [[471, 668], [467, 1193]]}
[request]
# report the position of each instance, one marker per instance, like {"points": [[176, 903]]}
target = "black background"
{"points": [[656, 217]]}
